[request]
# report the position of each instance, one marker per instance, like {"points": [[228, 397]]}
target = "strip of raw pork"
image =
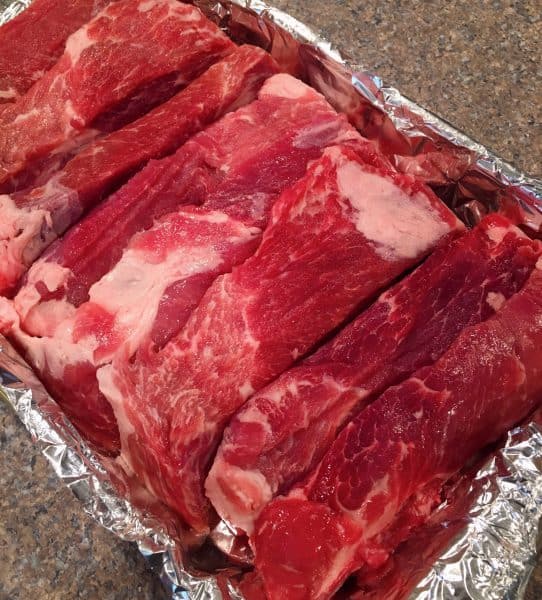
{"points": [[244, 160], [32, 42], [284, 431], [324, 253], [80, 307], [133, 55], [384, 473], [33, 219]]}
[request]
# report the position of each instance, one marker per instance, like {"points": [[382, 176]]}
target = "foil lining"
{"points": [[494, 555], [481, 544]]}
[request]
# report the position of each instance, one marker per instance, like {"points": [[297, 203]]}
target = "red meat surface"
{"points": [[284, 430], [242, 162], [322, 255], [33, 219], [163, 270], [79, 319], [384, 473], [32, 42], [133, 55]]}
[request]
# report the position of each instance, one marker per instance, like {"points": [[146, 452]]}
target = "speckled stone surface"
{"points": [[49, 548], [476, 63]]}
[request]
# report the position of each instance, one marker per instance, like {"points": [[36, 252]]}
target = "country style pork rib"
{"points": [[383, 474], [285, 429], [130, 57], [78, 321], [323, 254], [31, 43], [150, 292], [242, 163], [33, 219]]}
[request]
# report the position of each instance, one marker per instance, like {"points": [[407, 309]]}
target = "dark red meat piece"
{"points": [[40, 215], [31, 43], [129, 58], [323, 254], [284, 430], [384, 473]]}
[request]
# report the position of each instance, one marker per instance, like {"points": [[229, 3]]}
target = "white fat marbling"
{"points": [[284, 86], [132, 290], [497, 234], [495, 300], [77, 43], [19, 229], [401, 226], [106, 383], [8, 94], [250, 487]]}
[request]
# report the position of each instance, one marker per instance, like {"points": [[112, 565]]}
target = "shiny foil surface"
{"points": [[481, 543]]}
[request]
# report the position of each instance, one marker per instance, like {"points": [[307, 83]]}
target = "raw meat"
{"points": [[164, 270], [283, 431], [242, 163], [31, 43], [384, 473], [130, 57], [260, 148], [324, 253], [37, 217]]}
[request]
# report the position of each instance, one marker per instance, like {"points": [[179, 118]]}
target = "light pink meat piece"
{"points": [[38, 216], [384, 473], [284, 430], [32, 42], [130, 57], [260, 149], [323, 254]]}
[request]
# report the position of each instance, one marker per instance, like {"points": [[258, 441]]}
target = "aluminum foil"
{"points": [[481, 543], [495, 553]]}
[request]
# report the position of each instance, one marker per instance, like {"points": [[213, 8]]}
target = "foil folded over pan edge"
{"points": [[494, 554]]}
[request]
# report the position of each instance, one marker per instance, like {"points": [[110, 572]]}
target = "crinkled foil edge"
{"points": [[493, 555]]}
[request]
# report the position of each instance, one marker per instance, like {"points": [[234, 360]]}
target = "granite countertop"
{"points": [[476, 63]]}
